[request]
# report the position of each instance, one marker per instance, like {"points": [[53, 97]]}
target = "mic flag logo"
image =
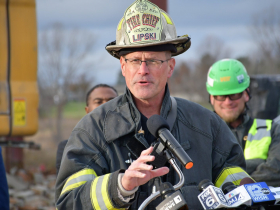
{"points": [[212, 197], [235, 198], [259, 192], [238, 196], [177, 199]]}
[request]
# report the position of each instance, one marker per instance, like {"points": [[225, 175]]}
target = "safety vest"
{"points": [[258, 140]]}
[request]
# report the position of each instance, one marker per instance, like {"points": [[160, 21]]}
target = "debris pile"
{"points": [[32, 190]]}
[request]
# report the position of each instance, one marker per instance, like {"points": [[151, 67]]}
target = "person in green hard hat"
{"points": [[228, 86]]}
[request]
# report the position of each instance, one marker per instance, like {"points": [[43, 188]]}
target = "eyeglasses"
{"points": [[232, 97], [151, 64]]}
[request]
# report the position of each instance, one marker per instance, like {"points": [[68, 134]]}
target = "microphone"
{"points": [[211, 197], [260, 193], [276, 193], [246, 180], [227, 187], [159, 127], [249, 193], [172, 200], [236, 196]]}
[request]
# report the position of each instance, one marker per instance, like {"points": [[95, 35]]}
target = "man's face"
{"points": [[99, 96], [144, 82], [229, 110]]}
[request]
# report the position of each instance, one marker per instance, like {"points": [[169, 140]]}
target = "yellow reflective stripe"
{"points": [[99, 194], [253, 129], [168, 20], [120, 24], [105, 194], [85, 171], [268, 124], [72, 186], [93, 196], [231, 174], [78, 179]]}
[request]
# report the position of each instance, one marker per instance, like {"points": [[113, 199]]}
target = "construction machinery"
{"points": [[19, 95], [265, 92]]}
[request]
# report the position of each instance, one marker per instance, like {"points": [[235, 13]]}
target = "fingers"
{"points": [[134, 174], [139, 172], [160, 171], [147, 151]]}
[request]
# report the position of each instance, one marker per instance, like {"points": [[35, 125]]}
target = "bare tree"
{"points": [[180, 82], [265, 30], [214, 46], [211, 50], [64, 57]]}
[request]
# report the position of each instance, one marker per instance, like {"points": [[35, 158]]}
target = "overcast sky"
{"points": [[226, 19]]}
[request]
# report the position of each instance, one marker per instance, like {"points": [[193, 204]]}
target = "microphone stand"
{"points": [[173, 163]]}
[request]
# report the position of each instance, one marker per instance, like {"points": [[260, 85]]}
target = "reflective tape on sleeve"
{"points": [[233, 174], [99, 193], [78, 179]]}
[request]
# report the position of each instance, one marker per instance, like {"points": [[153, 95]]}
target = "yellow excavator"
{"points": [[19, 97]]}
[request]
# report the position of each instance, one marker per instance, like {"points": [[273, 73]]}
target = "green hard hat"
{"points": [[227, 76]]}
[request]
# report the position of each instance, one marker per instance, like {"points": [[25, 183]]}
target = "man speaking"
{"points": [[105, 162]]}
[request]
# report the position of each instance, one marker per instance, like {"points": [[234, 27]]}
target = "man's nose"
{"points": [[143, 68], [228, 100]]}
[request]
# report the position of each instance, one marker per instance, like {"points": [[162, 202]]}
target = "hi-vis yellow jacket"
{"points": [[102, 143], [261, 149], [258, 140]]}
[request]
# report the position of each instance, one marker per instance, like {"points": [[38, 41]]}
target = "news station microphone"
{"points": [[159, 128], [211, 197], [276, 193], [260, 193], [172, 200], [236, 196], [250, 193]]}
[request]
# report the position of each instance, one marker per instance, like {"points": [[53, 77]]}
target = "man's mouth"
{"points": [[143, 82]]}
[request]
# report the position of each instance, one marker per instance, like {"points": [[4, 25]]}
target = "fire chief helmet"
{"points": [[146, 27], [227, 76]]}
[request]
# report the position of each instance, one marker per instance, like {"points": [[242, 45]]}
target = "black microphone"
{"points": [[236, 196], [159, 127], [227, 187], [172, 200]]}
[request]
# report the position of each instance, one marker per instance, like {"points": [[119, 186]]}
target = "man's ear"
{"points": [[122, 62], [86, 109], [211, 99], [246, 95], [171, 66]]}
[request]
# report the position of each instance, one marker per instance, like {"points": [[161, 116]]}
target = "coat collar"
{"points": [[127, 118]]}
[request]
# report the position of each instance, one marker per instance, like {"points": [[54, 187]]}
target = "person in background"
{"points": [[228, 86], [99, 95], [104, 165], [96, 96], [4, 190]]}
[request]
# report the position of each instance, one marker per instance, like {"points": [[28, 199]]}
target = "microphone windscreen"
{"points": [[204, 184], [227, 187], [156, 122], [246, 180]]}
